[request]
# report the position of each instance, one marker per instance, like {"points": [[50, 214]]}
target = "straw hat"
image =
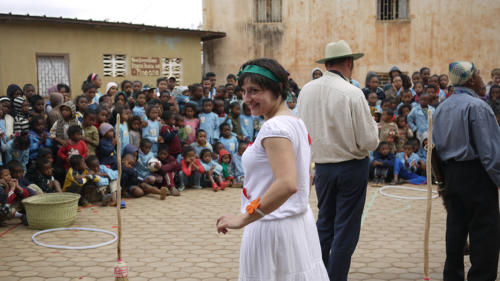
{"points": [[340, 49]]}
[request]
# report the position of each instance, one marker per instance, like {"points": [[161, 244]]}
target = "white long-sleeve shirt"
{"points": [[338, 119]]}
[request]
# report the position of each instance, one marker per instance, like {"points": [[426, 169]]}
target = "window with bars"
{"points": [[268, 10], [115, 65], [172, 67], [392, 10]]}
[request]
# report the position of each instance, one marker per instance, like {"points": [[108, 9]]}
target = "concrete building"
{"points": [[46, 51], [406, 33]]}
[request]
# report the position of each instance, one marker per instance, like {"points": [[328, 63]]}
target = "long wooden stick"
{"points": [[429, 196], [119, 187]]}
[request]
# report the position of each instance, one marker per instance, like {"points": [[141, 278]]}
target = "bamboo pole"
{"points": [[121, 268], [429, 196]]}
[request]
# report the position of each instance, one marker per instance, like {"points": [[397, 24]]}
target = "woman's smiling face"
{"points": [[260, 101]]}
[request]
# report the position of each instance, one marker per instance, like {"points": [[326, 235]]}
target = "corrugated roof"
{"points": [[205, 35]]}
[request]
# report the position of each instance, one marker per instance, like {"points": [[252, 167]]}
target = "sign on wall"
{"points": [[145, 66]]}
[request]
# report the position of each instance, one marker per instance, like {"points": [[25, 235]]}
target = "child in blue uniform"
{"points": [[151, 129], [208, 121], [227, 139]]}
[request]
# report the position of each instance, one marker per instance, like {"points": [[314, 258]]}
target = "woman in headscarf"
{"points": [[316, 73], [372, 85]]}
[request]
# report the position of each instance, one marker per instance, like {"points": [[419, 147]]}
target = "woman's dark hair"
{"points": [[63, 86], [87, 86], [34, 121], [34, 99], [186, 150], [203, 151], [73, 130], [22, 142], [279, 88], [77, 100], [124, 82]]}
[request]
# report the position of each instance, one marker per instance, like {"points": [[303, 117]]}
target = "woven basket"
{"points": [[51, 210]]}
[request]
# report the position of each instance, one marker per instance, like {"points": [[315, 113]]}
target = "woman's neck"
{"points": [[280, 109]]}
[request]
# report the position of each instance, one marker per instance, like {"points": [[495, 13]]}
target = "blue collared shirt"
{"points": [[465, 129]]}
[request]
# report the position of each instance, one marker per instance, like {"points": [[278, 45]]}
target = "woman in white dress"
{"points": [[280, 240]]}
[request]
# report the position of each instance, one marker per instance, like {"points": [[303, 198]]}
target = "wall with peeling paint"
{"points": [[85, 47], [437, 33]]}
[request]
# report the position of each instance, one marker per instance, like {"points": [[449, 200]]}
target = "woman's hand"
{"points": [[230, 221]]}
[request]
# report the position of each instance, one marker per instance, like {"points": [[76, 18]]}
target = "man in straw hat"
{"points": [[343, 132], [466, 135]]}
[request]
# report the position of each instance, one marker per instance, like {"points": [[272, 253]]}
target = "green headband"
{"points": [[258, 70]]}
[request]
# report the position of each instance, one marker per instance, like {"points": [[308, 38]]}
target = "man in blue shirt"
{"points": [[467, 140]]}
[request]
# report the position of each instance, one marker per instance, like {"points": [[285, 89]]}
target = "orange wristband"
{"points": [[254, 207]]}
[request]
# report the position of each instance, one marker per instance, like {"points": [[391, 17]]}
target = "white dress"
{"points": [[283, 245]]}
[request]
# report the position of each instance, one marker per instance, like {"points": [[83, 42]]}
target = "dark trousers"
{"points": [[341, 191], [472, 204]]}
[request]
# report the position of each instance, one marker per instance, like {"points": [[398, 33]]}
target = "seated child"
{"points": [[132, 182], [164, 176], [405, 166], [17, 172], [145, 154], [107, 184], [191, 169], [67, 118], [213, 171], [389, 130], [201, 142], [225, 161], [90, 132], [382, 166], [12, 194], [38, 136], [74, 146], [237, 166], [41, 175], [78, 180], [18, 149], [107, 142], [227, 139]]}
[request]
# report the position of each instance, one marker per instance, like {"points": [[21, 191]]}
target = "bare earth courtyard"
{"points": [[176, 239]]}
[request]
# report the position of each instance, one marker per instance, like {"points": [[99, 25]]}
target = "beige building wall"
{"points": [[437, 33], [85, 47]]}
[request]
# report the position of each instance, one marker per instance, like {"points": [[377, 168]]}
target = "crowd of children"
{"points": [[173, 137], [400, 109]]}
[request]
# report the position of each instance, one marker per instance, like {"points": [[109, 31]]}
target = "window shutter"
{"points": [[403, 9], [261, 10], [275, 10]]}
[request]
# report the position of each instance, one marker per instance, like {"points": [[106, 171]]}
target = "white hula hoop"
{"points": [[381, 190], [74, 247]]}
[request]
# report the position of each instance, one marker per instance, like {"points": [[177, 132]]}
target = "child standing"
{"points": [[151, 128], [237, 165], [81, 104], [213, 171], [235, 120], [246, 123], [225, 161], [191, 123], [138, 109], [169, 133], [107, 184], [406, 99], [59, 131], [74, 146], [201, 142], [382, 166], [78, 180], [227, 139], [191, 169], [222, 117], [90, 133], [389, 132], [406, 165], [21, 118], [134, 125], [102, 116], [404, 133], [179, 121], [125, 114], [417, 119], [38, 107], [208, 120]]}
